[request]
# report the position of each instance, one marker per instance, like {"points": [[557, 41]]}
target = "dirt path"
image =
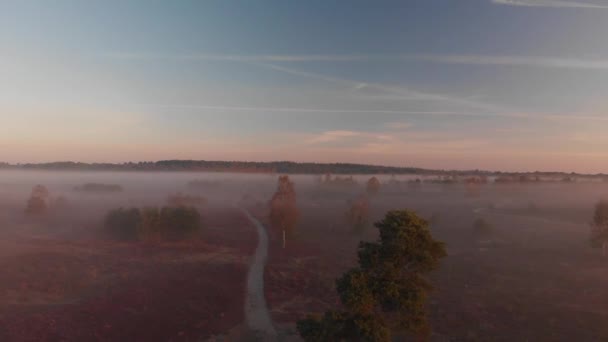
{"points": [[256, 312]]}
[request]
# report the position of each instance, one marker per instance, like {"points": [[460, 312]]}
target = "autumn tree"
{"points": [[284, 212], [388, 290], [373, 186], [357, 215], [599, 227], [38, 202]]}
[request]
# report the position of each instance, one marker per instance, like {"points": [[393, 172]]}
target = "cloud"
{"points": [[505, 60], [549, 3], [527, 61], [402, 91], [309, 110], [399, 125], [238, 58], [512, 115], [331, 136]]}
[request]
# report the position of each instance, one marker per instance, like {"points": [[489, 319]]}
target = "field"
{"points": [[534, 278], [88, 290]]}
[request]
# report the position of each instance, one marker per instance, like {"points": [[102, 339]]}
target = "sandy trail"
{"points": [[256, 311]]}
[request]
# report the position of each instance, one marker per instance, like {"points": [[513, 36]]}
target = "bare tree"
{"points": [[284, 212]]}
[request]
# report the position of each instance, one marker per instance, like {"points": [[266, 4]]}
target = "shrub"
{"points": [[179, 222], [153, 224], [150, 225]]}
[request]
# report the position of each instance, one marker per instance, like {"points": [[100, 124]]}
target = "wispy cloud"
{"points": [[240, 58], [528, 61], [406, 92], [311, 110], [472, 59], [395, 125], [467, 105], [398, 125], [331, 136], [550, 3]]}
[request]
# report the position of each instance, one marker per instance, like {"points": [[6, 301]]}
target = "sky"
{"points": [[513, 85]]}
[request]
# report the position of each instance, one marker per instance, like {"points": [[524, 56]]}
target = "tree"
{"points": [[38, 202], [388, 290], [284, 212], [373, 186], [599, 227], [357, 215]]}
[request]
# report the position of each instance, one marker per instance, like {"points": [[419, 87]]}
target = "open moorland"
{"points": [[532, 276]]}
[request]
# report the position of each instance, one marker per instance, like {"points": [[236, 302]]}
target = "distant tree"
{"points": [[357, 215], [388, 290], [284, 213], [599, 227], [38, 202], [482, 227], [372, 186]]}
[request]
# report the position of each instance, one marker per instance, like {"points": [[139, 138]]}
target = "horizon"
{"points": [[515, 86], [416, 167]]}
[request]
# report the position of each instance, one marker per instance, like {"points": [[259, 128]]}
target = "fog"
{"points": [[538, 250]]}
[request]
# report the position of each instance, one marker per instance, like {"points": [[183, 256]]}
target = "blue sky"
{"points": [[492, 84]]}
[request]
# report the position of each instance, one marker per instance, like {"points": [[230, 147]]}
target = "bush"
{"points": [[179, 222], [150, 225], [153, 224]]}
